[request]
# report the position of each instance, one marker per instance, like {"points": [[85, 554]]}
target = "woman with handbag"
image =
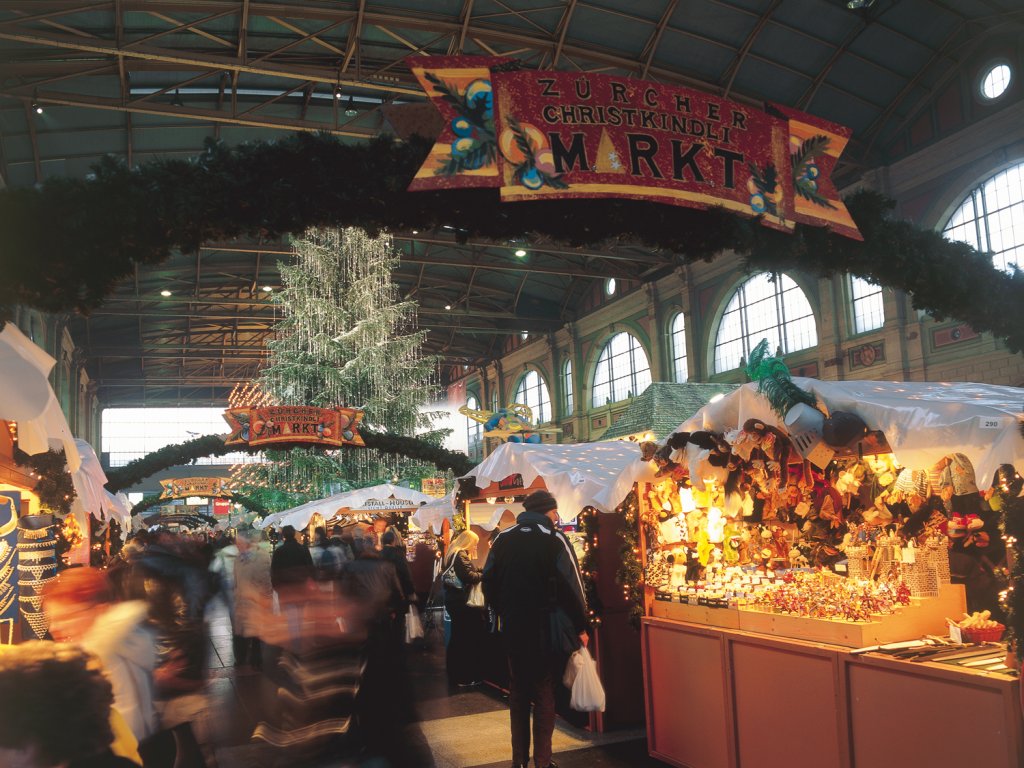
{"points": [[463, 600]]}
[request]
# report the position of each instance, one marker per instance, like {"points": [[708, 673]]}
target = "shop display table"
{"points": [[726, 698]]}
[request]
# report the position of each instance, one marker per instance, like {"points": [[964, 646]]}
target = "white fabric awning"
{"points": [[376, 498], [434, 512], [598, 475], [28, 398], [922, 421]]}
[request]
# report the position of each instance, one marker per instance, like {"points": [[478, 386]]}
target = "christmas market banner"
{"points": [[294, 424], [184, 487], [536, 135]]}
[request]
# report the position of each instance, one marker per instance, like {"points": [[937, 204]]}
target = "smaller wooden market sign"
{"points": [[433, 486], [294, 424], [184, 487]]}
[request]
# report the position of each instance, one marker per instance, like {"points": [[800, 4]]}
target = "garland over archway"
{"points": [[213, 445], [67, 243]]}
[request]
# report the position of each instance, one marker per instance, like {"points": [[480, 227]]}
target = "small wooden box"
{"points": [[728, 618]]}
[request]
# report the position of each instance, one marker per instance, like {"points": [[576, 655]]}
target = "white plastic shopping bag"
{"points": [[413, 625], [572, 668], [587, 691]]}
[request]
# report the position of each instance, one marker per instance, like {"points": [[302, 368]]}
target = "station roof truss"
{"points": [[146, 79]]}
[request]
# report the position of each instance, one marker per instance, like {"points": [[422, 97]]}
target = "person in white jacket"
{"points": [[80, 609]]}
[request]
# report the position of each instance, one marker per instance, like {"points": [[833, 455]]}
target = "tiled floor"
{"points": [[462, 728]]}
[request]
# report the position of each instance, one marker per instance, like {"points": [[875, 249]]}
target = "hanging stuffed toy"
{"points": [[513, 423]]}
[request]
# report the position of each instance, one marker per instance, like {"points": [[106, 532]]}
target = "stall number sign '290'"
{"points": [[536, 135]]}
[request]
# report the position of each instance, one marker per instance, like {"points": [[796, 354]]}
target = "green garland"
{"points": [[213, 445], [54, 487], [119, 218], [631, 571], [169, 456], [587, 521], [1012, 524]]}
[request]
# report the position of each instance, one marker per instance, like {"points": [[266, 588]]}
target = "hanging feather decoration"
{"points": [[774, 381]]}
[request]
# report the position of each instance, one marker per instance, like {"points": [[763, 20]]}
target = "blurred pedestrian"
{"points": [[81, 609], [292, 576], [463, 657], [532, 581], [58, 709], [253, 598]]}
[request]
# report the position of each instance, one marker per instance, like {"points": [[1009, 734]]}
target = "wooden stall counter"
{"points": [[725, 698]]}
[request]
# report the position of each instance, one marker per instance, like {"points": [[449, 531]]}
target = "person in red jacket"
{"points": [[532, 581]]}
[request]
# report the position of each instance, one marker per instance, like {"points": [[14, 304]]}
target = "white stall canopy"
{"points": [[922, 421], [89, 481], [433, 513], [598, 475], [367, 501], [28, 398]]}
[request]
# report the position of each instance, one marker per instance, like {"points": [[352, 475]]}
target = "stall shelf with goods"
{"points": [[590, 478], [829, 525], [37, 451]]}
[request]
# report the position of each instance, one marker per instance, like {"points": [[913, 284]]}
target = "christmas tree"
{"points": [[345, 338]]}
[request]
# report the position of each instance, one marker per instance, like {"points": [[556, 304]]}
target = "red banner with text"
{"points": [[536, 135], [294, 424]]}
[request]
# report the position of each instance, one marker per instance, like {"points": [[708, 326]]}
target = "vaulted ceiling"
{"points": [[150, 79]]}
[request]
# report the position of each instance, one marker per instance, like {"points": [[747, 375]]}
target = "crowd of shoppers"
{"points": [[326, 621]]}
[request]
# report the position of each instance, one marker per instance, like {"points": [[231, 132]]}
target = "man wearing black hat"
{"points": [[532, 581]]}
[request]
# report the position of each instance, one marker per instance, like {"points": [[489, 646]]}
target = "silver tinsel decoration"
{"points": [[346, 338]]}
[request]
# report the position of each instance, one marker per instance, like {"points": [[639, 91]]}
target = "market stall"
{"points": [[796, 526], [33, 424], [588, 478], [393, 502]]}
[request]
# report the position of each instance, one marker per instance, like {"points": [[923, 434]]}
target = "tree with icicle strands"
{"points": [[346, 338]]}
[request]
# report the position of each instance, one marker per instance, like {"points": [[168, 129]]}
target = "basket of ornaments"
{"points": [[979, 627]]}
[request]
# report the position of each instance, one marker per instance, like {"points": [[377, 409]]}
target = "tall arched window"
{"points": [[678, 338], [764, 308], [990, 218], [868, 308], [474, 431], [533, 391], [567, 386], [622, 370]]}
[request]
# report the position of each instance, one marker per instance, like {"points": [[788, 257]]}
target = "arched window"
{"points": [[567, 386], [678, 337], [990, 218], [868, 309], [533, 391], [622, 370], [764, 308], [474, 430]]}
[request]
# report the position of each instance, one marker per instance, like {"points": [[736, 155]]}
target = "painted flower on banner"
{"points": [[475, 145], [805, 170], [763, 186], [526, 147]]}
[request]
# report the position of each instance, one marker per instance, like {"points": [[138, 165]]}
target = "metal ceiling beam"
{"points": [[194, 60], [733, 69], [353, 38], [652, 43], [189, 113], [465, 16], [563, 29]]}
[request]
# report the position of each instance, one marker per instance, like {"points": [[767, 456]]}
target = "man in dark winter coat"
{"points": [[532, 581], [291, 575]]}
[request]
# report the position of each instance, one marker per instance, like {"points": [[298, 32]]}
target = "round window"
{"points": [[995, 81], [609, 286]]}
